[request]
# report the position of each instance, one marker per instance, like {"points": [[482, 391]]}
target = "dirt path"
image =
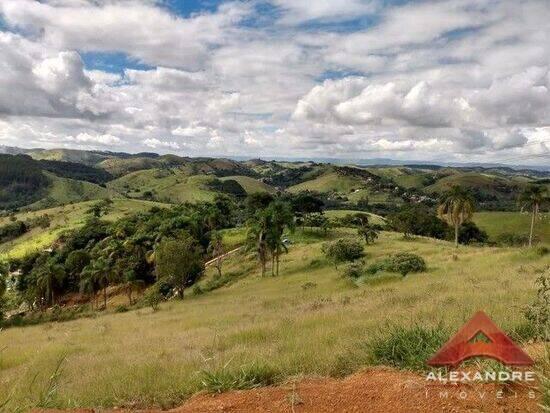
{"points": [[377, 390], [213, 260]]}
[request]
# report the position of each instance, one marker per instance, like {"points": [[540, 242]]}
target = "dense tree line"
{"points": [[77, 171], [21, 181]]}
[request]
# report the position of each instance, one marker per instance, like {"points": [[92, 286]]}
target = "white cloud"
{"points": [[429, 79], [156, 143]]}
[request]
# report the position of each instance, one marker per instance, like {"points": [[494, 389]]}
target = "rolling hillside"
{"points": [[61, 191], [165, 185], [308, 321], [251, 185], [64, 218]]}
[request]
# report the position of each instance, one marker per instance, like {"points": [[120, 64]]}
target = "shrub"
{"points": [[246, 377], [376, 266], [407, 347], [470, 233], [197, 290], [343, 250], [512, 240], [153, 297], [538, 313], [542, 250], [354, 270], [405, 263], [121, 309]]}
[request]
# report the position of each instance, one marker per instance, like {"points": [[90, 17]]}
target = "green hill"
{"points": [[251, 185], [329, 182], [165, 185], [62, 191], [64, 218]]}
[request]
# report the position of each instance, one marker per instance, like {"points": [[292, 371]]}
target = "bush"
{"points": [[538, 313], [246, 377], [542, 250], [343, 250], [407, 347], [470, 233], [512, 240], [153, 297], [354, 270], [405, 263]]}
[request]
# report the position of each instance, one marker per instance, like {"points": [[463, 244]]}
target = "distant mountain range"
{"points": [[337, 161]]}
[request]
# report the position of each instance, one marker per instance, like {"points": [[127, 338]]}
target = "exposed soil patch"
{"points": [[374, 390]]}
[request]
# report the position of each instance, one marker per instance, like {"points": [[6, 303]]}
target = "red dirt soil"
{"points": [[376, 390]]}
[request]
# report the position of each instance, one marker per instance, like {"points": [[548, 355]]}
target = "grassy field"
{"points": [[251, 185], [309, 320], [341, 213], [65, 218], [497, 223], [64, 191], [166, 185], [329, 182]]}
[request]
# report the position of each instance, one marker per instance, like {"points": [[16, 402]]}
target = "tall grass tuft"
{"points": [[407, 347], [245, 377]]}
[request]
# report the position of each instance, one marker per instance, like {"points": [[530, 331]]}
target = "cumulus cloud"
{"points": [[468, 79], [156, 143]]}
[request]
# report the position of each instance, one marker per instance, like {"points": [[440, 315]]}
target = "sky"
{"points": [[449, 80]]}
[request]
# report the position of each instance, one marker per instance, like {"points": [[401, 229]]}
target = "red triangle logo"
{"points": [[498, 346]]}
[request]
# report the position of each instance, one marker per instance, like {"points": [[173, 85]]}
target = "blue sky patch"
{"points": [[114, 62]]}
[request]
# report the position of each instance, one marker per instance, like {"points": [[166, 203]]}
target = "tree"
{"points": [[100, 208], [96, 276], [368, 232], [533, 197], [215, 248], [257, 236], [305, 204], [179, 261], [49, 277], [456, 207], [131, 282], [258, 201], [76, 261], [281, 217]]}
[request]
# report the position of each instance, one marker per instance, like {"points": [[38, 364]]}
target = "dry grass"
{"points": [[145, 358]]}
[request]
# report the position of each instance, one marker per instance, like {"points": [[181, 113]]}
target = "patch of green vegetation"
{"points": [[309, 331], [342, 213], [407, 347], [165, 185], [497, 223], [62, 219], [251, 185], [329, 182]]}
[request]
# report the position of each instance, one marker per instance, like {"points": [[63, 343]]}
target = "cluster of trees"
{"points": [[162, 244], [16, 228]]}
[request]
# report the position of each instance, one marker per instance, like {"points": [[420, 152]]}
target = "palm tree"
{"points": [[95, 276], [457, 207], [50, 275], [258, 228], [131, 282], [533, 196], [281, 218]]}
